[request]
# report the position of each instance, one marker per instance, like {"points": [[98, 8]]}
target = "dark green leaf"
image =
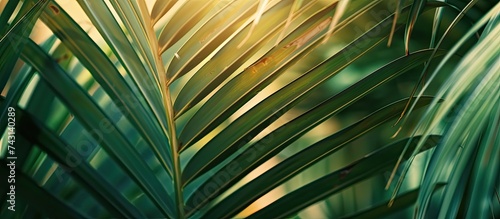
{"points": [[26, 189], [486, 169], [251, 191], [93, 118], [75, 164], [383, 209], [14, 38], [370, 165], [151, 131]]}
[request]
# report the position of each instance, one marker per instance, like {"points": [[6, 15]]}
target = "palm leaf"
{"points": [[92, 117], [332, 183], [27, 188], [464, 88], [185, 20], [303, 159], [103, 70], [403, 200], [204, 109], [14, 37], [153, 132], [222, 64], [209, 36], [276, 141], [91, 179]]}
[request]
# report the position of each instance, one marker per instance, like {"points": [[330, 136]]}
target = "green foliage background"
{"points": [[259, 109]]}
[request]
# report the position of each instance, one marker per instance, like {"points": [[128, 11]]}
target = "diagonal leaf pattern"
{"points": [[303, 159], [359, 170], [83, 172], [93, 118], [165, 106], [277, 140]]}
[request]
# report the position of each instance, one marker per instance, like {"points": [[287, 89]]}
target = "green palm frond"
{"points": [[471, 97], [239, 108]]}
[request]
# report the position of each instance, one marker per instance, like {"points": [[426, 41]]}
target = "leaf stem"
{"points": [[174, 146]]}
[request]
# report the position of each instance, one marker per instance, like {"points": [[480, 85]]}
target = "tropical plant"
{"points": [[241, 108]]}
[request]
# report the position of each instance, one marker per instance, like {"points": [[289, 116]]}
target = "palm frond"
{"points": [[208, 109]]}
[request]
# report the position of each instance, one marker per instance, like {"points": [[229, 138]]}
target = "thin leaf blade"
{"points": [[370, 165], [248, 193], [277, 140]]}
